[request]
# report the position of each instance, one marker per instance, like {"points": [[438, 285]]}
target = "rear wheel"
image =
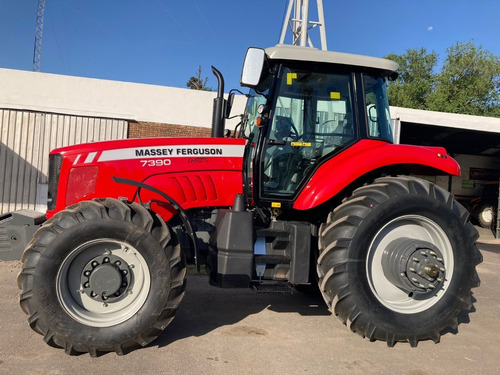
{"points": [[103, 275], [397, 260]]}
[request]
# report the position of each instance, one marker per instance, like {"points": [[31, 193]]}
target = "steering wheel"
{"points": [[285, 128]]}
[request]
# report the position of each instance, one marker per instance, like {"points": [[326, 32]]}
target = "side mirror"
{"points": [[372, 113], [252, 67], [229, 105]]}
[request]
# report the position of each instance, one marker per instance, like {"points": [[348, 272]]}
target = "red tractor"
{"points": [[309, 180]]}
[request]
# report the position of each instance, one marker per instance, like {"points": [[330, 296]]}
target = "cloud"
{"points": [[430, 28]]}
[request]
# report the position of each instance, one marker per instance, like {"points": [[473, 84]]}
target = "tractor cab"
{"points": [[305, 106]]}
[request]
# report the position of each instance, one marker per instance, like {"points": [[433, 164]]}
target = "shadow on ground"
{"points": [[206, 308]]}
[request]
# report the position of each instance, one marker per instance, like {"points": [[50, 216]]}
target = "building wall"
{"points": [[109, 99], [155, 130], [27, 137]]}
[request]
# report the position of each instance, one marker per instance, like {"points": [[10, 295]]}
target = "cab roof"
{"points": [[296, 53]]}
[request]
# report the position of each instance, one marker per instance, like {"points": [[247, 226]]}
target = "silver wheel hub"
{"points": [[414, 266], [410, 264], [106, 278], [103, 282]]}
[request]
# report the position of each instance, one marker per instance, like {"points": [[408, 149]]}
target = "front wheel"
{"points": [[397, 260], [103, 275]]}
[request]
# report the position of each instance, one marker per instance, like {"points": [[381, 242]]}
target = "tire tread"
{"points": [[102, 209], [337, 233]]}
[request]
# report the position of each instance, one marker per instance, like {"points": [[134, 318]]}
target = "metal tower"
{"points": [[299, 24], [38, 35]]}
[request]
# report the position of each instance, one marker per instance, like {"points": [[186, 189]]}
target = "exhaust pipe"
{"points": [[218, 114]]}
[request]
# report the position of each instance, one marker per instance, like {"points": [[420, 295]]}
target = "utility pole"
{"points": [[38, 35], [300, 25]]}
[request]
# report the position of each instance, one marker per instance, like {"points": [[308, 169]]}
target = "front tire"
{"points": [[102, 275], [397, 260]]}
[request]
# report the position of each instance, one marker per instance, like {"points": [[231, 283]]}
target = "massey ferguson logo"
{"points": [[173, 152], [177, 151]]}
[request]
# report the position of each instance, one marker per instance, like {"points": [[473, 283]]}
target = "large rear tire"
{"points": [[102, 275], [397, 260]]}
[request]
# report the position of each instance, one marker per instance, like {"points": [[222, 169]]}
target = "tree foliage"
{"points": [[198, 83], [468, 82], [416, 76]]}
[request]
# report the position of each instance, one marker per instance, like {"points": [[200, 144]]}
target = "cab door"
{"points": [[312, 119]]}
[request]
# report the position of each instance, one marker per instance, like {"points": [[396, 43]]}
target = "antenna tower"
{"points": [[300, 25], [38, 35]]}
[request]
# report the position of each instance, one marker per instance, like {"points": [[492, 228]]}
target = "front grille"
{"points": [[55, 163]]}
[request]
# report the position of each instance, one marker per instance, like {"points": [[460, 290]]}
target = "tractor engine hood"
{"points": [[196, 172]]}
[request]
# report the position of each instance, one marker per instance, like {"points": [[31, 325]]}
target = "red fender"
{"points": [[364, 157]]}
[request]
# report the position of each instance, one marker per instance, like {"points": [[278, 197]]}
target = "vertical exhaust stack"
{"points": [[218, 118]]}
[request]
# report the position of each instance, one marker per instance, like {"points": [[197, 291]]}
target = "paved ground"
{"points": [[238, 332]]}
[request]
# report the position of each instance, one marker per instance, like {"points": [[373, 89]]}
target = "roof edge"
{"points": [[297, 53]]}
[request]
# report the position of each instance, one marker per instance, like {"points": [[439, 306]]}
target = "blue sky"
{"points": [[162, 42]]}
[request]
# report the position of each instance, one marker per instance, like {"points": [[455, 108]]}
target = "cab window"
{"points": [[313, 118], [377, 108]]}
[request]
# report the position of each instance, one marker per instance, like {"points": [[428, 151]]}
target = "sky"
{"points": [[162, 42]]}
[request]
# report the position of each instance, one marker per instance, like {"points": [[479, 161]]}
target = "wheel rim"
{"points": [[103, 282], [487, 215], [398, 295]]}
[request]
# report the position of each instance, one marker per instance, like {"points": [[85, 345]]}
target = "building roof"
{"points": [[459, 134]]}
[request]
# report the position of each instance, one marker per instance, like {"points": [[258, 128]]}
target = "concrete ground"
{"points": [[239, 332]]}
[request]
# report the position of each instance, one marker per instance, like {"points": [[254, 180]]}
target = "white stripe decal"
{"points": [[77, 158], [90, 157], [173, 152]]}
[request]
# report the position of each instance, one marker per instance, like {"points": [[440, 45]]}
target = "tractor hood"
{"points": [[196, 171]]}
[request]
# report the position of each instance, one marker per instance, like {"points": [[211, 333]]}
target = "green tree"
{"points": [[469, 82], [197, 83], [415, 81]]}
